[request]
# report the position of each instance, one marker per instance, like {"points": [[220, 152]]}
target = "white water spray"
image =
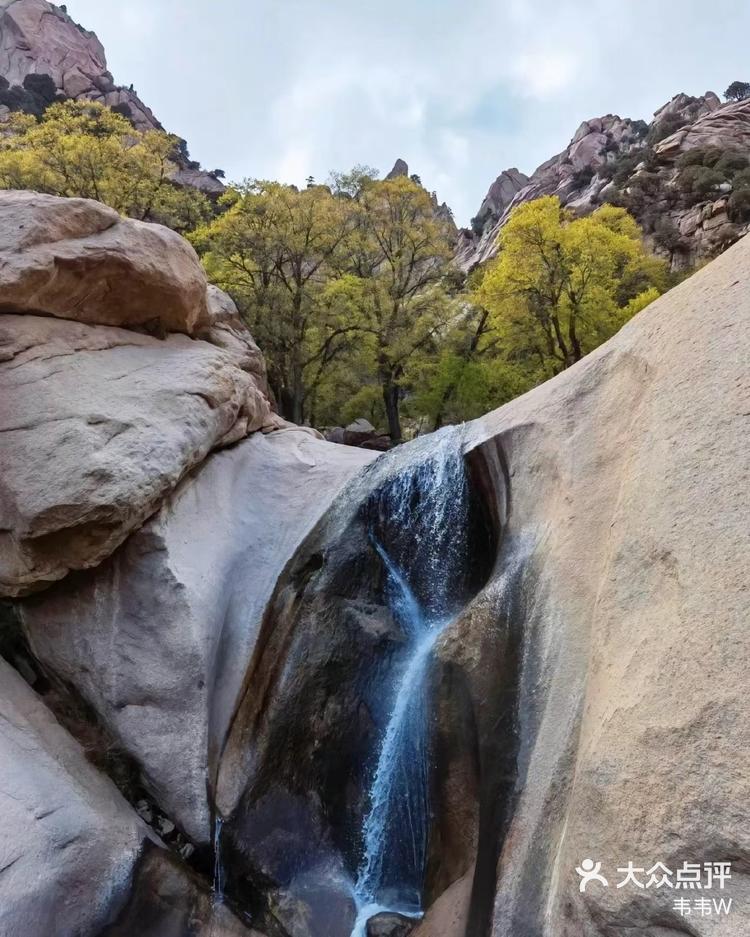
{"points": [[420, 533]]}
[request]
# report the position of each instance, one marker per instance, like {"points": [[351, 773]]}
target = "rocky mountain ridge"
{"points": [[38, 38], [687, 215]]}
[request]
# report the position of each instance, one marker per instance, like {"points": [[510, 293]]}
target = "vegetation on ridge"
{"points": [[84, 149]]}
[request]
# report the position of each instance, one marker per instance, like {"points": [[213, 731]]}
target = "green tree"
{"points": [[393, 281], [738, 91], [275, 250], [87, 150], [560, 286], [469, 377]]}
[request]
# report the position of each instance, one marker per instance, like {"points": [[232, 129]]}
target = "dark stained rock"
{"points": [[390, 925], [400, 168], [167, 900]]}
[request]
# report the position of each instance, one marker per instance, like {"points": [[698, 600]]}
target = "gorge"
{"points": [[255, 682], [259, 683]]}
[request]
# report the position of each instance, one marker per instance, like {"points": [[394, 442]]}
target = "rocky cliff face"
{"points": [[40, 38], [37, 37], [643, 167], [199, 599]]}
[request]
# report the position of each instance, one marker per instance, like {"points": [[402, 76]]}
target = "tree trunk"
{"points": [[440, 415], [285, 402], [391, 401], [291, 404], [298, 414]]}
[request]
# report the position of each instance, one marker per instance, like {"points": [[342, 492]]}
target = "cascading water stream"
{"points": [[418, 526], [218, 882]]}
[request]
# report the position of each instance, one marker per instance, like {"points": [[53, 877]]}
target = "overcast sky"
{"points": [[461, 89]]}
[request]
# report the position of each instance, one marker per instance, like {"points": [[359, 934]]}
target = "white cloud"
{"points": [[460, 90], [543, 73], [295, 162], [136, 20]]}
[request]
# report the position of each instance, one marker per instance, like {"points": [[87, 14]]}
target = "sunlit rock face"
{"points": [[625, 476], [80, 260], [104, 408]]}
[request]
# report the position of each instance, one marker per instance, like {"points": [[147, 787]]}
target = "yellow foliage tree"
{"points": [[87, 150], [275, 249], [340, 285], [561, 286]]}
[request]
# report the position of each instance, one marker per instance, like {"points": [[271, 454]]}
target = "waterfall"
{"points": [[218, 882], [418, 525]]}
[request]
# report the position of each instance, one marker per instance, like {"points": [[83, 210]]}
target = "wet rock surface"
{"points": [[389, 925], [295, 774], [167, 900], [66, 829]]}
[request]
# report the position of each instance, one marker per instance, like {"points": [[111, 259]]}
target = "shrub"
{"points": [[741, 180], [41, 85], [739, 206], [34, 97], [477, 226], [738, 91], [700, 156], [731, 162], [124, 108], [699, 182], [667, 235], [648, 182], [622, 168], [581, 177], [663, 129]]}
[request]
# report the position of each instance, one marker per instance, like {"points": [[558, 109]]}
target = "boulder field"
{"points": [[194, 610]]}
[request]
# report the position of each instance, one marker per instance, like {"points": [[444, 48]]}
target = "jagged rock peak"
{"points": [[37, 37], [609, 158], [40, 37], [400, 168], [687, 107], [500, 194], [725, 126]]}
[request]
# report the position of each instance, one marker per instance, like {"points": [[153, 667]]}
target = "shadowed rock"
{"points": [[67, 832]]}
